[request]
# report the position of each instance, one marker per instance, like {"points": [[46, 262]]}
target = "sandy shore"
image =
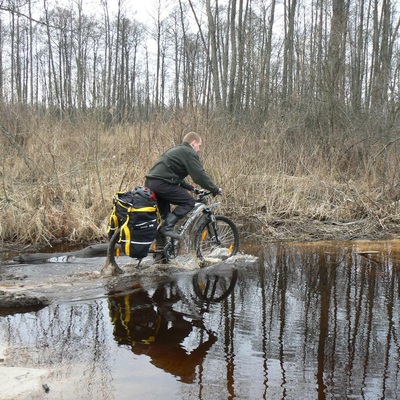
{"points": [[19, 383]]}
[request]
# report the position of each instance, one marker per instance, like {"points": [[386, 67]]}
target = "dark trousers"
{"points": [[168, 194]]}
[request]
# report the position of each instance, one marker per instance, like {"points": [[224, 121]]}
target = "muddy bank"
{"points": [[265, 229], [12, 303]]}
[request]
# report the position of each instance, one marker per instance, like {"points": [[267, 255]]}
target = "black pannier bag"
{"points": [[136, 214]]}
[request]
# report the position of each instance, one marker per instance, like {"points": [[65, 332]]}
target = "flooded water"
{"points": [[302, 321]]}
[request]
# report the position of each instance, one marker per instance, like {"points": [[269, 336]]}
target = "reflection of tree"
{"points": [[332, 309], [65, 338]]}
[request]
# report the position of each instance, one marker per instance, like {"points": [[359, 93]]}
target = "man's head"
{"points": [[194, 140]]}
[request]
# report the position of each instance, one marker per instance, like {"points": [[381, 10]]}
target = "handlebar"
{"points": [[201, 193]]}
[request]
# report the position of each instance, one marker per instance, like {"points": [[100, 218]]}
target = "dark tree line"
{"points": [[339, 57]]}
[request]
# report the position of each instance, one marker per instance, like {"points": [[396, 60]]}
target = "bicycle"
{"points": [[213, 235]]}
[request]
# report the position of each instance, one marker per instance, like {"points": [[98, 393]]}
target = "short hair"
{"points": [[189, 137]]}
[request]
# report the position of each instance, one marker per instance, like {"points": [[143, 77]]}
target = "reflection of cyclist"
{"points": [[166, 179], [151, 326]]}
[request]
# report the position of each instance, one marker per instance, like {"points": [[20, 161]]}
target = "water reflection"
{"points": [[309, 321], [156, 322], [332, 313]]}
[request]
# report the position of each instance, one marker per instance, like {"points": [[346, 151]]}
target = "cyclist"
{"points": [[166, 179]]}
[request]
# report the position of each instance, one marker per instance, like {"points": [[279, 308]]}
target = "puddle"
{"points": [[300, 321]]}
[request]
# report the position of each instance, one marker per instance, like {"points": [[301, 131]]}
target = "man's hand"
{"points": [[202, 191]]}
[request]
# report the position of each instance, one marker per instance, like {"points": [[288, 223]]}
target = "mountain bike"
{"points": [[209, 235]]}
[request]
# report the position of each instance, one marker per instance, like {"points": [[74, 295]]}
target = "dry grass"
{"points": [[57, 180]]}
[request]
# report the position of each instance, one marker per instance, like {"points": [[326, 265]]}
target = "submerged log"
{"points": [[96, 250]]}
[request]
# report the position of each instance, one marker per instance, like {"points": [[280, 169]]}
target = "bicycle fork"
{"points": [[212, 229]]}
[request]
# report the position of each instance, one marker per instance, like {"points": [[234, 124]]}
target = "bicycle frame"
{"points": [[198, 209], [193, 216]]}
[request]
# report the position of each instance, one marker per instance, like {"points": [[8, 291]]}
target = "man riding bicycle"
{"points": [[166, 179]]}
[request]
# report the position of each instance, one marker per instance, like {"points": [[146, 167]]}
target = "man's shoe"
{"points": [[168, 228], [171, 233]]}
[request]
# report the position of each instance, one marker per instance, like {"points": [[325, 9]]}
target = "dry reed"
{"points": [[57, 179]]}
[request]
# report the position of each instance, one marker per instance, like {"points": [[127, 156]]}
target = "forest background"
{"points": [[297, 103]]}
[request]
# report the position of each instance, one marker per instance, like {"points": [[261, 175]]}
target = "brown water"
{"points": [[305, 321]]}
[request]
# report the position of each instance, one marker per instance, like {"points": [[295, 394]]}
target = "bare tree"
{"points": [[335, 66], [214, 52], [288, 52], [341, 56]]}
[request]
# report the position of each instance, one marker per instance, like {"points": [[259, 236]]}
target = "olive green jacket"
{"points": [[179, 162]]}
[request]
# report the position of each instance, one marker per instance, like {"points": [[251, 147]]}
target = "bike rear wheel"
{"points": [[218, 238]]}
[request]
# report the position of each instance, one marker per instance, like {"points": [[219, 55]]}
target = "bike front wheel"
{"points": [[217, 237]]}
